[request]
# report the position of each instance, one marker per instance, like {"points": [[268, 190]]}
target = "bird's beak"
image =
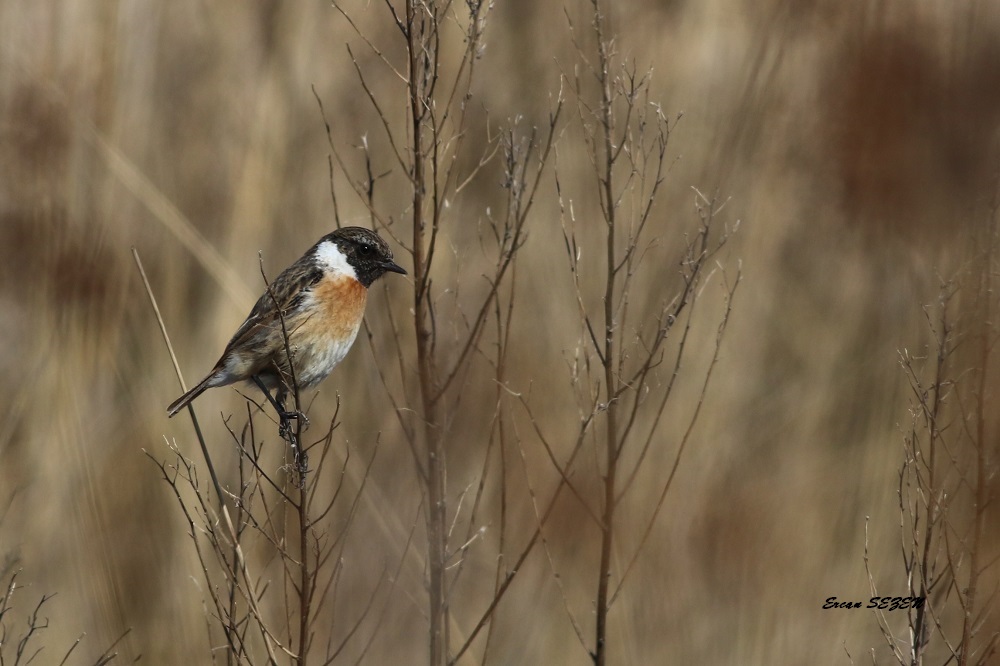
{"points": [[393, 267]]}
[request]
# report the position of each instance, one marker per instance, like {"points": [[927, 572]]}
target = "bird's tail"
{"points": [[183, 401]]}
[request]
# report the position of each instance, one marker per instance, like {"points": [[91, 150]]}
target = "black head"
{"points": [[366, 252]]}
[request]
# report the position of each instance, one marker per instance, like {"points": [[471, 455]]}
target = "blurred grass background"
{"points": [[857, 142]]}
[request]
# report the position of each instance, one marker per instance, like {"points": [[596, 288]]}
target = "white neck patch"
{"points": [[330, 258]]}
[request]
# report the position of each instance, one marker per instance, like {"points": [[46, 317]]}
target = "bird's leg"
{"points": [[301, 457], [297, 415], [285, 427], [278, 407], [278, 402]]}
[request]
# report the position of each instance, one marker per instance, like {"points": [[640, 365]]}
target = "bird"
{"points": [[321, 298]]}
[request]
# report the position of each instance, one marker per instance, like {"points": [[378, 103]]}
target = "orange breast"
{"points": [[324, 330], [341, 304]]}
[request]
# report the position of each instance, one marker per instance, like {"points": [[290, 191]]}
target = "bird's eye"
{"points": [[364, 250]]}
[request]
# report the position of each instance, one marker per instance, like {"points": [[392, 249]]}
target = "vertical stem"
{"points": [[921, 628], [229, 626], [436, 534], [610, 384], [980, 499], [305, 577]]}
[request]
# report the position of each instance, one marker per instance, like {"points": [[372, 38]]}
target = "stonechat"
{"points": [[321, 298]]}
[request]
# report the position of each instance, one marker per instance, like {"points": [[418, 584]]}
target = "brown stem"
{"points": [[436, 527], [921, 628], [609, 358], [980, 488], [305, 577]]}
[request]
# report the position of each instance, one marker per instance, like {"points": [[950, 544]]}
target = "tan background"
{"points": [[855, 141]]}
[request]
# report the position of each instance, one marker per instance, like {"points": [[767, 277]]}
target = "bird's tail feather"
{"points": [[183, 401]]}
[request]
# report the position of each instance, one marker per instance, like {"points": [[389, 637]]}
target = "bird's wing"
{"points": [[287, 291]]}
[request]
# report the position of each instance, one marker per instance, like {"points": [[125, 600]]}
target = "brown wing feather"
{"points": [[286, 290], [259, 328]]}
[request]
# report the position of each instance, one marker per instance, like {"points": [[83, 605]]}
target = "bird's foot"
{"points": [[285, 429], [286, 417]]}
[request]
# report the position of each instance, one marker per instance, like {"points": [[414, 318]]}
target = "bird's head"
{"points": [[357, 251]]}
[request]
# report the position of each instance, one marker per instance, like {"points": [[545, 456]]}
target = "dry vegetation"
{"points": [[459, 498]]}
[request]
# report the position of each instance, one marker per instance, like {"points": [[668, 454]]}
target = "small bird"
{"points": [[322, 300]]}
